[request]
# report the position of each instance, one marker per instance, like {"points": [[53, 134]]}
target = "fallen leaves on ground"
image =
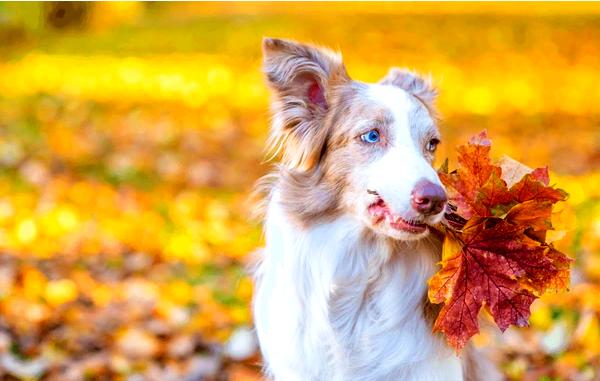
{"points": [[126, 153]]}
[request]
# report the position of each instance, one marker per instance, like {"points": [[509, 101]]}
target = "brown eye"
{"points": [[432, 145]]}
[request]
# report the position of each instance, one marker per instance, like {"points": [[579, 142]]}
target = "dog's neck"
{"points": [[355, 298]]}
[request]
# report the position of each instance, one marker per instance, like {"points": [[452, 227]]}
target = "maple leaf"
{"points": [[494, 255], [465, 184]]}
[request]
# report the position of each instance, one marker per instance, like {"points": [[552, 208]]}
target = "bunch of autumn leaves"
{"points": [[495, 251]]}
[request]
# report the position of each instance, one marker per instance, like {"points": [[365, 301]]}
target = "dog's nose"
{"points": [[428, 198]]}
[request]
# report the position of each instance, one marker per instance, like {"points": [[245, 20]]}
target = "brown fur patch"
{"points": [[291, 69], [314, 193], [308, 196]]}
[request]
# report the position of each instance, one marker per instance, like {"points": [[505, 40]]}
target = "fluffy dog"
{"points": [[341, 286]]}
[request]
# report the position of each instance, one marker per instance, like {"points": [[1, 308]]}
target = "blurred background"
{"points": [[132, 133]]}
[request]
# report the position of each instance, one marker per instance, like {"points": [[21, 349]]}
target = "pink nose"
{"points": [[428, 198]]}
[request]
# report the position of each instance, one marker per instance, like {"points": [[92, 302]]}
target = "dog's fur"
{"points": [[341, 295]]}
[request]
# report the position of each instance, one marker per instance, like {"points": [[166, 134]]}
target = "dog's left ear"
{"points": [[301, 78], [413, 83]]}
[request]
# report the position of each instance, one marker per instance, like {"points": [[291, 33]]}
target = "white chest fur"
{"points": [[332, 304]]}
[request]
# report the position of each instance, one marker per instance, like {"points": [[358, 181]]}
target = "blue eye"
{"points": [[370, 137]]}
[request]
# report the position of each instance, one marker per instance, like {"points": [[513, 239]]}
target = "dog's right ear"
{"points": [[301, 78]]}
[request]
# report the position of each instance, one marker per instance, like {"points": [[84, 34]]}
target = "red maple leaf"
{"points": [[495, 254]]}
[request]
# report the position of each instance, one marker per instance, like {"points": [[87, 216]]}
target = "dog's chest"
{"points": [[379, 320], [331, 305]]}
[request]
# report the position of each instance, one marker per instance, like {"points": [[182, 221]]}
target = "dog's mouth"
{"points": [[379, 211]]}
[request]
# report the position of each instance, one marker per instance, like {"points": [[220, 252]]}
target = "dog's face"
{"points": [[363, 149], [387, 146]]}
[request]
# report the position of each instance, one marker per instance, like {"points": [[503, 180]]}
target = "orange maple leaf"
{"points": [[495, 254]]}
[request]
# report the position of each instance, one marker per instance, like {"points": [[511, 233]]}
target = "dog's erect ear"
{"points": [[301, 77], [413, 83]]}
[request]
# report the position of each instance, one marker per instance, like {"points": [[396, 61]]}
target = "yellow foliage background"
{"points": [[131, 135]]}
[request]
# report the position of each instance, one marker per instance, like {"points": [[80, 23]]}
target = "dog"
{"points": [[341, 288]]}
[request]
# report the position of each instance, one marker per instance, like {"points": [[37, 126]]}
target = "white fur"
{"points": [[329, 306]]}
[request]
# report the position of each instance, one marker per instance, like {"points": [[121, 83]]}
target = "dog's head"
{"points": [[354, 148]]}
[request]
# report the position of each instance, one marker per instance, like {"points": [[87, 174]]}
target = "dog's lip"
{"points": [[379, 211], [408, 226]]}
